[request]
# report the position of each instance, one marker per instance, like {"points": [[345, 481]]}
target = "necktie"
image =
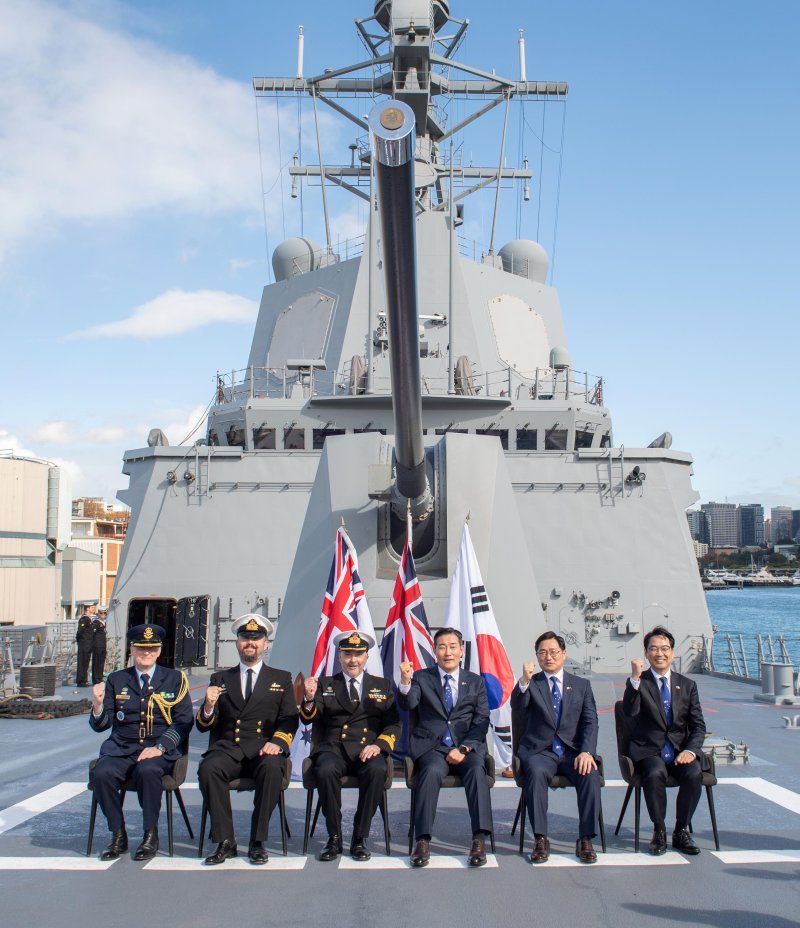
{"points": [[558, 744], [354, 692], [447, 693], [145, 683], [248, 687], [667, 752]]}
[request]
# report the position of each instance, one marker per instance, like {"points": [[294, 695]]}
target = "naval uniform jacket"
{"points": [[125, 709], [468, 722], [650, 731], [537, 727], [374, 720], [241, 729], [85, 632]]}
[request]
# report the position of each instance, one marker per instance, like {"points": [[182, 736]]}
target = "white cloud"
{"points": [[98, 125], [184, 425], [56, 432], [10, 442], [107, 435], [240, 264], [175, 312]]}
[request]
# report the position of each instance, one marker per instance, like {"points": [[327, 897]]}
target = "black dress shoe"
{"points": [[541, 850], [225, 850], [477, 852], [421, 855], [658, 843], [118, 845], [584, 851], [257, 853], [359, 849], [149, 846], [682, 841], [332, 849]]}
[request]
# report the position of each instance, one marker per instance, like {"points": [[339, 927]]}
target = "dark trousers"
{"points": [[329, 768], [539, 769], [653, 772], [98, 664], [431, 769], [84, 656], [111, 772], [216, 771]]}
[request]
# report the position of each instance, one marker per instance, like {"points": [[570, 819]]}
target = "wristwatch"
{"points": [[161, 749], [464, 749]]}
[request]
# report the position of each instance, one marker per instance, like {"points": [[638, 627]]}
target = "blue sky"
{"points": [[132, 242]]}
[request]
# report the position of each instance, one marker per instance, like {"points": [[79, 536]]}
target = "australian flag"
{"points": [[407, 636]]}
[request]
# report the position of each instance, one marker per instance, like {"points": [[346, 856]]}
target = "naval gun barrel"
{"points": [[393, 142]]}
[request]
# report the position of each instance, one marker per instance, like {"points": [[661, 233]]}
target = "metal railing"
{"points": [[741, 656], [257, 383]]}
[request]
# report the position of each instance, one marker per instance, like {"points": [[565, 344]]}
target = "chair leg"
{"points": [[182, 807], [309, 801], [491, 822], [169, 823], [637, 807], [628, 792], [316, 816], [411, 823], [284, 826], [602, 825], [385, 815], [203, 819], [92, 818], [516, 820], [713, 814], [520, 816]]}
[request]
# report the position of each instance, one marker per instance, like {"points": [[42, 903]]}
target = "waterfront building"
{"points": [[751, 525], [722, 522], [698, 526], [781, 517], [98, 529]]}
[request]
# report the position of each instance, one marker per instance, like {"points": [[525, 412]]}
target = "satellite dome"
{"points": [[295, 256], [526, 259]]}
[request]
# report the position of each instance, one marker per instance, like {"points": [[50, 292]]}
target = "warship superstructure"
{"points": [[406, 372]]}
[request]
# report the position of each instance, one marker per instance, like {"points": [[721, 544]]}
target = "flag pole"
{"points": [[409, 529]]}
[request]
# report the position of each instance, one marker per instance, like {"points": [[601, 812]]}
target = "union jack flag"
{"points": [[344, 609], [407, 636]]}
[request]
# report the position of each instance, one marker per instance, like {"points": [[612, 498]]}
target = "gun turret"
{"points": [[392, 131]]}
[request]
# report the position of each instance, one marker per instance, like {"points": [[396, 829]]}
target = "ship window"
{"points": [[235, 437], [294, 439], [319, 436], [445, 431], [583, 438], [264, 438], [555, 439], [526, 439], [379, 431], [502, 434], [605, 441], [213, 438]]}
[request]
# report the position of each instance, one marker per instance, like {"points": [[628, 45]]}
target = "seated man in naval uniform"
{"points": [[667, 738], [356, 723], [559, 716], [251, 714], [149, 711], [452, 719]]}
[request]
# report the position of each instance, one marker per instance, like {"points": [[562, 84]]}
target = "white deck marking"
{"points": [[758, 857], [778, 794], [41, 802], [438, 862], [242, 864], [54, 863], [623, 859]]}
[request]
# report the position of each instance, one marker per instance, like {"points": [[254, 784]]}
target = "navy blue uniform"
{"points": [[84, 636], [137, 722]]}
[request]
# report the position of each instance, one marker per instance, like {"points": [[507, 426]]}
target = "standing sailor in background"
{"points": [[99, 644], [84, 636], [667, 739], [149, 711], [356, 724], [251, 714]]}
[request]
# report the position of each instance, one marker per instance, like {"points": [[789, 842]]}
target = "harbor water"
{"points": [[772, 612]]}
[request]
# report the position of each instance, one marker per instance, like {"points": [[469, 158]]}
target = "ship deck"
{"points": [[46, 879]]}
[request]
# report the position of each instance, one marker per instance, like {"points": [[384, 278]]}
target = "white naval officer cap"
{"points": [[253, 626]]}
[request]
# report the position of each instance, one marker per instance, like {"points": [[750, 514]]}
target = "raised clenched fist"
{"points": [[406, 672], [310, 688], [636, 667]]}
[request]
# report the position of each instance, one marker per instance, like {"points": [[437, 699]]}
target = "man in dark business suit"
{"points": [[356, 724], [452, 719], [667, 738], [560, 736], [252, 716]]}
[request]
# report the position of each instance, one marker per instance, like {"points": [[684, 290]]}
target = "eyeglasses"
{"points": [[659, 649], [551, 653]]}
